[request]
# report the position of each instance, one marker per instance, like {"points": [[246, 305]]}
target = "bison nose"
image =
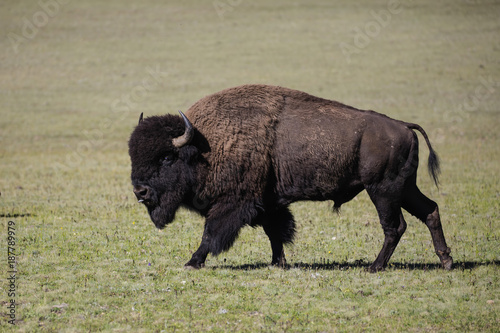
{"points": [[142, 192]]}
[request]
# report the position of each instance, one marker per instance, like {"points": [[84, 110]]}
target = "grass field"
{"points": [[74, 77]]}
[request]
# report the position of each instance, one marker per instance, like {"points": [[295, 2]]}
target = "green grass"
{"points": [[89, 258]]}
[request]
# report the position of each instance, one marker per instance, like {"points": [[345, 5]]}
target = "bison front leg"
{"points": [[278, 258], [198, 259], [222, 227], [279, 226]]}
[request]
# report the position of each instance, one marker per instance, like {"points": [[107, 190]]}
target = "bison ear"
{"points": [[185, 138], [140, 118]]}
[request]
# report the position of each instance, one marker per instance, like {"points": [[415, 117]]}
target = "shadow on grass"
{"points": [[460, 265]]}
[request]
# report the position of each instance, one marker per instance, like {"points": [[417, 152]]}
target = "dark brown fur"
{"points": [[258, 148]]}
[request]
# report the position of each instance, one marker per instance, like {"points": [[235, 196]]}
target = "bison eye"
{"points": [[168, 160]]}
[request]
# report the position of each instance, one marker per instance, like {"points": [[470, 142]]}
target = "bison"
{"points": [[243, 155]]}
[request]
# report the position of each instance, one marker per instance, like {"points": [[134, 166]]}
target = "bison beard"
{"points": [[162, 213], [243, 155]]}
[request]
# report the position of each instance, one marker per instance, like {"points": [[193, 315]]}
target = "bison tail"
{"points": [[433, 162], [433, 165]]}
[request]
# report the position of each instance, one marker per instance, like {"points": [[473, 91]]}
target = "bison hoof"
{"points": [[280, 264], [191, 266], [375, 269], [447, 263]]}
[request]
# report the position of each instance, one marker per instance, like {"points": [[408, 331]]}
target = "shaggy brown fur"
{"points": [[239, 126]]}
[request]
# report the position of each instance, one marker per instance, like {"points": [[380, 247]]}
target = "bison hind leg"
{"points": [[387, 202], [279, 226], [426, 210]]}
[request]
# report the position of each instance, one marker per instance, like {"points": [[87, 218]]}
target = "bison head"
{"points": [[163, 164]]}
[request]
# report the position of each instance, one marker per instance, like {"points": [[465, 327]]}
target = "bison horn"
{"points": [[140, 118], [185, 138]]}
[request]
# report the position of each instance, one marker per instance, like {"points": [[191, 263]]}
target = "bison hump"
{"points": [[239, 127]]}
